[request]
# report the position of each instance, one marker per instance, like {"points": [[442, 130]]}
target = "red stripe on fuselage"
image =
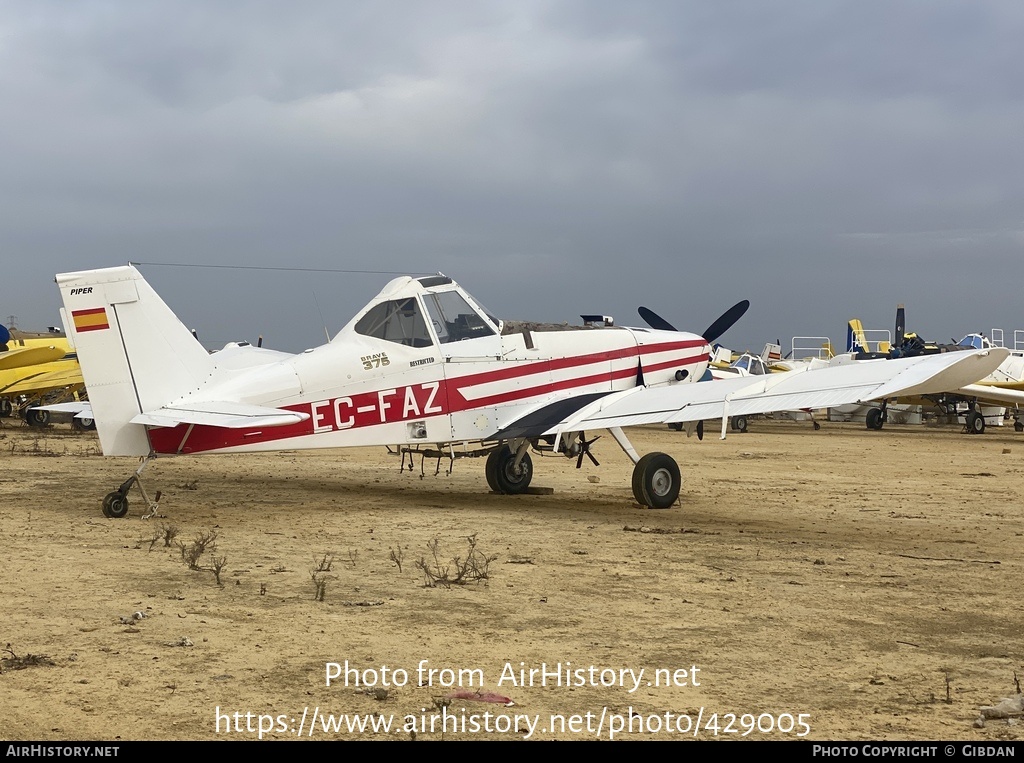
{"points": [[419, 401]]}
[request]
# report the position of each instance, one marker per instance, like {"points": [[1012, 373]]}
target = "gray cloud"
{"points": [[824, 159]]}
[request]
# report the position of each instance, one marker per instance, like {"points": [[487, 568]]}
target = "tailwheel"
{"points": [[656, 481], [504, 475], [115, 505]]}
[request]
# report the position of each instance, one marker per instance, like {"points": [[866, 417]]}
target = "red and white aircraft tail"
{"points": [[135, 353]]}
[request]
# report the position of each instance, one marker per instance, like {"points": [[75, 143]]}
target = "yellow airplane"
{"points": [[37, 368]]}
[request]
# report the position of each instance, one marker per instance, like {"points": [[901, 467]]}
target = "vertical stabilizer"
{"points": [[856, 341], [135, 354]]}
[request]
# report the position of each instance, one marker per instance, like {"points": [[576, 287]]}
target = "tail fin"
{"points": [[855, 339], [136, 356], [772, 352]]}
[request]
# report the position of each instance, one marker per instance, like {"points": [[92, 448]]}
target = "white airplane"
{"points": [[425, 368]]}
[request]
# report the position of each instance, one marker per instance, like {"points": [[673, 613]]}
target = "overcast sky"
{"points": [[823, 159]]}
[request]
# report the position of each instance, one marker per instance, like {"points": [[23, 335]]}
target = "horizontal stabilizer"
{"points": [[220, 414], [81, 409]]}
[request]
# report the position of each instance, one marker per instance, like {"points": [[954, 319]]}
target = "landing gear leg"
{"points": [[115, 504]]}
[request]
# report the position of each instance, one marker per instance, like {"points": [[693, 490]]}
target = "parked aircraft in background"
{"points": [[974, 403], [37, 368]]}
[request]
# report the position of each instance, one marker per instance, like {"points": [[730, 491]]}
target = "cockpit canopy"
{"points": [[420, 310], [752, 364], [974, 341]]}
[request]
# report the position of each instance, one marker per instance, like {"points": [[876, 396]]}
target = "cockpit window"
{"points": [[453, 318], [399, 320], [971, 340]]}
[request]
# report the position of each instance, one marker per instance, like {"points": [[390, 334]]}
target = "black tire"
{"points": [[656, 481], [1018, 426], [975, 423], [83, 425], [676, 426], [6, 407], [37, 418], [503, 476], [739, 423], [874, 419], [817, 426], [115, 505]]}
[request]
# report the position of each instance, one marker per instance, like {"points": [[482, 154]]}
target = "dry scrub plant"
{"points": [[459, 571]]}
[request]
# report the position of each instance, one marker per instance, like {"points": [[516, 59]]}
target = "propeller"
{"points": [[901, 325], [585, 450], [725, 321], [654, 320], [711, 333]]}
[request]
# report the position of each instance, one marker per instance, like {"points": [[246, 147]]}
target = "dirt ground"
{"points": [[862, 585]]}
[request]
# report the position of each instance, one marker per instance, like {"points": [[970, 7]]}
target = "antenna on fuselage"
{"points": [[317, 303]]}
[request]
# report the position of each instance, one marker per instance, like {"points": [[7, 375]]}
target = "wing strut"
{"points": [[625, 444]]}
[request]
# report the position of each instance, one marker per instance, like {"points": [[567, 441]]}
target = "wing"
{"points": [[992, 393], [854, 382], [45, 381], [220, 414], [29, 356]]}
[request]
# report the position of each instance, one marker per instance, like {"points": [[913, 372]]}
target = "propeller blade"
{"points": [[901, 325], [725, 321], [700, 430], [654, 320]]}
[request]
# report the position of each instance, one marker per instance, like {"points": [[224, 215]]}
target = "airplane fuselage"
{"points": [[359, 390]]}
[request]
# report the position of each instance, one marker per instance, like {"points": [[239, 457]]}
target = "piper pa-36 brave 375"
{"points": [[425, 368]]}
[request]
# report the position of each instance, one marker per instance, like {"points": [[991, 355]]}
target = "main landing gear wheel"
{"points": [[875, 419], [656, 481], [975, 423], [503, 476], [37, 418], [115, 505], [1018, 426], [739, 423], [6, 407], [83, 425]]}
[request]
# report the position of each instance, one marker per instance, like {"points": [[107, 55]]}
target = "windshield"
{"points": [[453, 318]]}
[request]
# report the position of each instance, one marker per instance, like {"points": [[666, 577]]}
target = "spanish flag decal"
{"points": [[90, 320]]}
